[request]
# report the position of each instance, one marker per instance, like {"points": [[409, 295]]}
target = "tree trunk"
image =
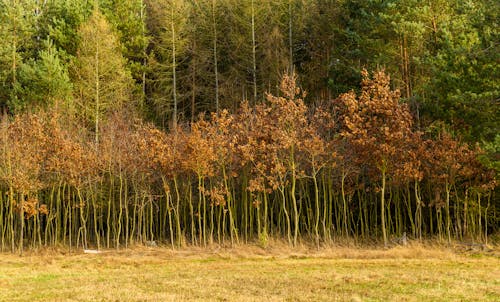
{"points": [[254, 60], [174, 71], [216, 71], [382, 205]]}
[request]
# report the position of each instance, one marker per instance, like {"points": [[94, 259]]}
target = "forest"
{"points": [[180, 122]]}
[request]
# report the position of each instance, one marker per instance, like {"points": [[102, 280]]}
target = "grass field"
{"points": [[252, 274]]}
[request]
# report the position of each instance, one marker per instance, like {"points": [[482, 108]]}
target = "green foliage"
{"points": [[465, 83], [45, 82], [442, 55], [492, 158], [129, 20], [60, 21], [102, 82], [168, 26], [17, 26]]}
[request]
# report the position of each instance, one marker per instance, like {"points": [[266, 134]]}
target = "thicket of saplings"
{"points": [[354, 167]]}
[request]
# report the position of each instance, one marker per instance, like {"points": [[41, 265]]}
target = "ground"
{"points": [[244, 273]]}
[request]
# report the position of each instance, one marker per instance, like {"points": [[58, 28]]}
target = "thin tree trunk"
{"points": [[144, 54], [254, 60], [216, 71], [97, 95], [344, 203], [174, 71], [290, 37], [382, 205], [448, 217]]}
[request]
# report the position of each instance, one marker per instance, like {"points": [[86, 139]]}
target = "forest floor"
{"points": [[250, 273]]}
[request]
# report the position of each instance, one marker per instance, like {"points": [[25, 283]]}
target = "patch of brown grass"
{"points": [[249, 273], [280, 250]]}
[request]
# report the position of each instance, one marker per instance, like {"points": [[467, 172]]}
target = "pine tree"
{"points": [[60, 22], [45, 82], [128, 18]]}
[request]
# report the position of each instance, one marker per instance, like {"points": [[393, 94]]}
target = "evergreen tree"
{"points": [[464, 87], [45, 81], [129, 19], [60, 22]]}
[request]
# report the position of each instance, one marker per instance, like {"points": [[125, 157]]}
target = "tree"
{"points": [[379, 127], [317, 44], [167, 24], [242, 33], [102, 82], [199, 70], [45, 82], [128, 18], [59, 21], [16, 30], [464, 86]]}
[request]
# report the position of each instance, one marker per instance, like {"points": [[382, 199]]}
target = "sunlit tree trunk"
{"points": [[174, 69], [254, 59], [382, 203], [216, 62]]}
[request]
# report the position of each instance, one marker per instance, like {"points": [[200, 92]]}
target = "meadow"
{"points": [[251, 273]]}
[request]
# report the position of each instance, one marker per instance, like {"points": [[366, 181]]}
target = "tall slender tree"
{"points": [[17, 26], [167, 24], [102, 82]]}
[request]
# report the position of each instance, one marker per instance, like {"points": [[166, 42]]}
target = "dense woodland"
{"points": [[226, 121]]}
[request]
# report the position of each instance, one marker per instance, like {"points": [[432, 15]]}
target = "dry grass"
{"points": [[249, 273]]}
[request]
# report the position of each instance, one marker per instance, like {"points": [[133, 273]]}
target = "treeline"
{"points": [[354, 167], [127, 121], [174, 59]]}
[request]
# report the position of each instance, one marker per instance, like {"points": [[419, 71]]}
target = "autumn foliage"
{"points": [[353, 167]]}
